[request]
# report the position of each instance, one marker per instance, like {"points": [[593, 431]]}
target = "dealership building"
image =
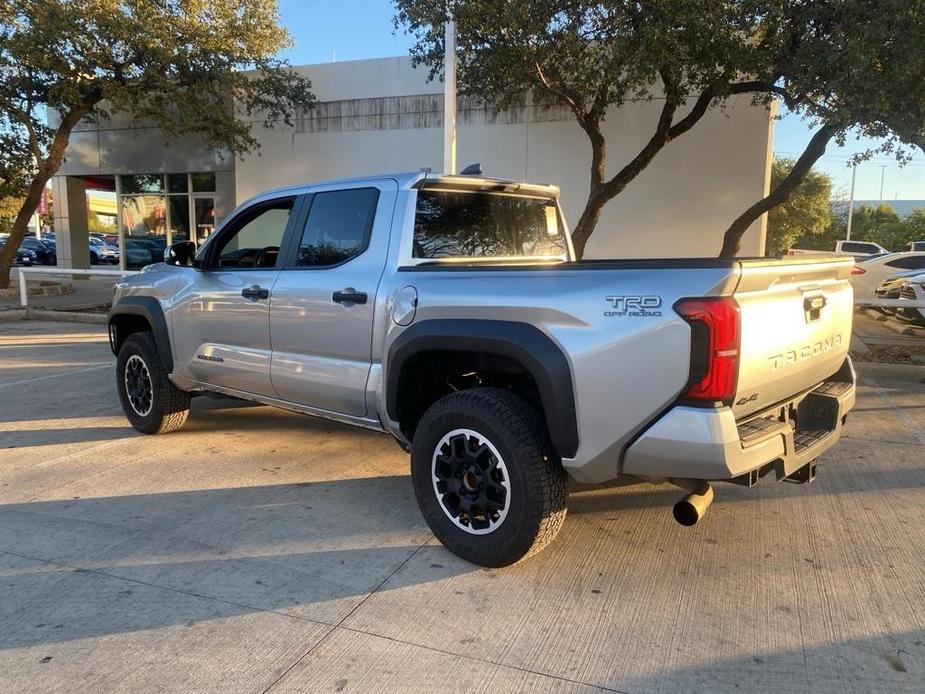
{"points": [[379, 116]]}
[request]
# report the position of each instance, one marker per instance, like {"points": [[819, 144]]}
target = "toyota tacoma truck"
{"points": [[449, 312]]}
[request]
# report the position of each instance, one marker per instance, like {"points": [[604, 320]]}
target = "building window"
{"points": [[203, 182], [158, 209], [142, 183], [177, 183]]}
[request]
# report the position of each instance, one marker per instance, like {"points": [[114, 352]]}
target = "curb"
{"points": [[903, 328], [67, 316], [60, 316], [896, 372]]}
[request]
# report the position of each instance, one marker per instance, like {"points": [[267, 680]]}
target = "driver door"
{"points": [[221, 320]]}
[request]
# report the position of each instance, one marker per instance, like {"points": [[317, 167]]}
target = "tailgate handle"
{"points": [[812, 306], [814, 303]]}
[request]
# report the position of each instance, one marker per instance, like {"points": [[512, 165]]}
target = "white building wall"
{"points": [[679, 206]]}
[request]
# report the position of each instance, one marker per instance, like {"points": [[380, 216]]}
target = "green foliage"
{"points": [[882, 225], [806, 213], [878, 224], [181, 65], [914, 222], [586, 55]]}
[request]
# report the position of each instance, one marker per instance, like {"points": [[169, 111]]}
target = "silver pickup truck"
{"points": [[449, 312]]}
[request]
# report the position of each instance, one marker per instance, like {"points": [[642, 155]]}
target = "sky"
{"points": [[328, 30]]}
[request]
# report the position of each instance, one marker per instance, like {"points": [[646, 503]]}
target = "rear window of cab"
{"points": [[475, 224]]}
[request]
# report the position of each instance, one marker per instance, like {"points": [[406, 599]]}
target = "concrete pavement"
{"points": [[258, 550]]}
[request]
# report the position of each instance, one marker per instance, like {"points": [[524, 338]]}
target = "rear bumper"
{"points": [[708, 443]]}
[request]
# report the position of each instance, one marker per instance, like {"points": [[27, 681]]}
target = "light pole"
{"points": [[882, 174], [449, 96], [854, 173]]}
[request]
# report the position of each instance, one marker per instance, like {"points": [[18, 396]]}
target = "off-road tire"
{"points": [[169, 406], [537, 481]]}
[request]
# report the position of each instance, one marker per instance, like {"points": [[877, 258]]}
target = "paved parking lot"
{"points": [[260, 550]]}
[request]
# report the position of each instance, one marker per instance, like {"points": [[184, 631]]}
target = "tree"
{"points": [[806, 213], [914, 224], [592, 56], [846, 66], [824, 240], [181, 65]]}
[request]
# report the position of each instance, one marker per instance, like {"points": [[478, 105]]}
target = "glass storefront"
{"points": [[205, 217], [158, 209]]}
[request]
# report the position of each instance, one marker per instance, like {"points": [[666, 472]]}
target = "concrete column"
{"points": [[72, 239]]}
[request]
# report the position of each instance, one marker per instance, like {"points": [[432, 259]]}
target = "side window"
{"points": [[338, 227], [914, 262], [254, 239], [854, 247]]}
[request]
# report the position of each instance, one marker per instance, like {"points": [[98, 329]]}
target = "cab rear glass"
{"points": [[474, 224]]}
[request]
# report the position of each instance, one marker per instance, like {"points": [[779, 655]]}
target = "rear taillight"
{"points": [[714, 348], [858, 270]]}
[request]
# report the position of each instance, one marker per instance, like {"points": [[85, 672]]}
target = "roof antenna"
{"points": [[472, 170]]}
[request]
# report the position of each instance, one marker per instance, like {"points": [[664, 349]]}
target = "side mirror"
{"points": [[181, 253]]}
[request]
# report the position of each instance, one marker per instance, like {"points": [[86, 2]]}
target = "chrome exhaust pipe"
{"points": [[692, 507]]}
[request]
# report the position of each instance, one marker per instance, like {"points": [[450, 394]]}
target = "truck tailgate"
{"points": [[795, 327]]}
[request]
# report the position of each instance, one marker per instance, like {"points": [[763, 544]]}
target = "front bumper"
{"points": [[708, 443]]}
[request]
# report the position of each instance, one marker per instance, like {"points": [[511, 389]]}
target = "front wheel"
{"points": [[485, 476], [152, 403]]}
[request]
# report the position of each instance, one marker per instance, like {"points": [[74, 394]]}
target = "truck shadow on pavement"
{"points": [[81, 568]]}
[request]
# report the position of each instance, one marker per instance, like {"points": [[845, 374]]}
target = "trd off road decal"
{"points": [[633, 306]]}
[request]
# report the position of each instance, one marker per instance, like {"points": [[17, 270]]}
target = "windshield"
{"points": [[474, 224]]}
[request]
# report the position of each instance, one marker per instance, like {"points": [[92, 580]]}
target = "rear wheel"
{"points": [[486, 478], [152, 403]]}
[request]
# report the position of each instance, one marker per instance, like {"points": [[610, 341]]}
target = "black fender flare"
{"points": [[523, 342], [150, 309]]}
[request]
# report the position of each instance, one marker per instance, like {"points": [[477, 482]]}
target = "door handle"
{"points": [[349, 297], [255, 293]]}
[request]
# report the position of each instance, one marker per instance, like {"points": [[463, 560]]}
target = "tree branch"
{"points": [[659, 139], [569, 97], [815, 149]]}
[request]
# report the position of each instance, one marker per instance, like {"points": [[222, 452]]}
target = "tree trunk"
{"points": [[20, 226], [586, 223], [732, 240], [46, 170]]}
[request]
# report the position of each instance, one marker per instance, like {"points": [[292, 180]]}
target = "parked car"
{"points": [[450, 312], [45, 251], [101, 252], [891, 288], [856, 249], [859, 249], [24, 256], [870, 272], [915, 246], [142, 251], [914, 290]]}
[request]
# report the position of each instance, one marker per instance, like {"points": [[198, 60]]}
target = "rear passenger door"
{"points": [[321, 315]]}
